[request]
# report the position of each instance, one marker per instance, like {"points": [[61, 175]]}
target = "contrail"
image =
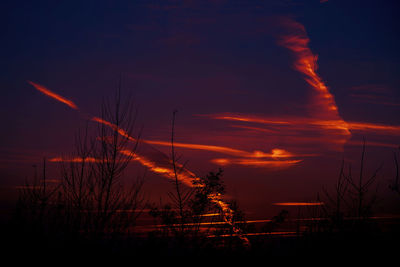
{"points": [[303, 123], [185, 176], [324, 106], [306, 63], [51, 94], [116, 128]]}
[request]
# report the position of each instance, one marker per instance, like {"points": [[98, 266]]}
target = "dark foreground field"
{"points": [[362, 242]]}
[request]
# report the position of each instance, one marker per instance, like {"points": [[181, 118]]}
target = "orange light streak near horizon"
{"points": [[281, 233], [210, 223], [256, 162], [53, 95], [299, 204]]}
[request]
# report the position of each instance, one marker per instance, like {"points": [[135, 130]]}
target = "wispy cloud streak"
{"points": [[256, 162], [323, 106], [306, 63], [53, 95], [304, 124]]}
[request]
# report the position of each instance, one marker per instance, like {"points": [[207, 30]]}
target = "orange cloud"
{"points": [[296, 125], [275, 153], [306, 63], [53, 95], [255, 162], [284, 122], [323, 106], [374, 127]]}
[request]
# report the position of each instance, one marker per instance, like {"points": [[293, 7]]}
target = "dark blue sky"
{"points": [[200, 57]]}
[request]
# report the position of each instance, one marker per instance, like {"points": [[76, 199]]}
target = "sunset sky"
{"points": [[275, 92]]}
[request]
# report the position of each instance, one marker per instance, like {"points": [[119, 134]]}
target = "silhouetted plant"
{"points": [[275, 222], [195, 210], [353, 198], [99, 201], [35, 205], [360, 188], [206, 188], [333, 207], [395, 186]]}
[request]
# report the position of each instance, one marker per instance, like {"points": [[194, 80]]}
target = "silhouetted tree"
{"points": [[35, 205], [353, 197], [333, 207], [198, 210], [92, 199], [360, 188], [275, 222], [194, 211]]}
